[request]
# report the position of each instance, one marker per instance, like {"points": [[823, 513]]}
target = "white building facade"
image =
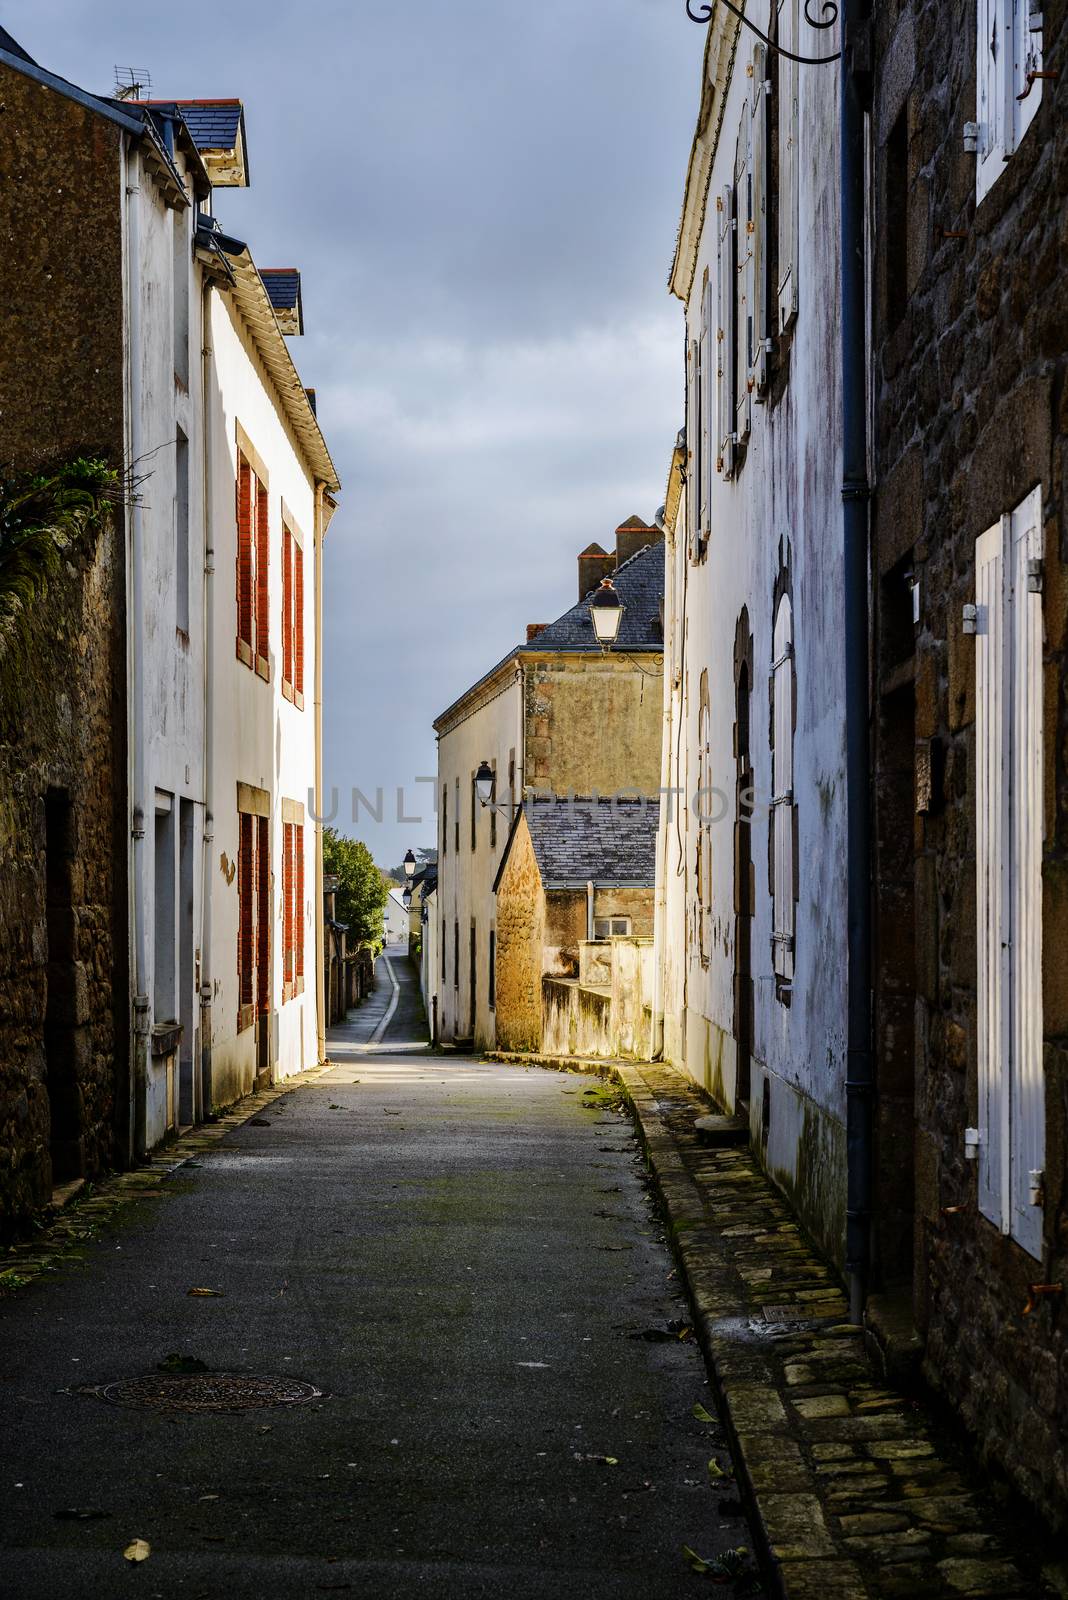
{"points": [[224, 648], [752, 885]]}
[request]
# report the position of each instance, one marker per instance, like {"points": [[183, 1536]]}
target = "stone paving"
{"points": [[859, 1492]]}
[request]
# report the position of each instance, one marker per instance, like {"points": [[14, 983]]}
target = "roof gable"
{"points": [[576, 841]]}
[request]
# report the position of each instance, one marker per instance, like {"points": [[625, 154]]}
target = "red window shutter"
{"points": [[298, 618], [262, 557], [287, 605], [245, 881], [244, 551], [263, 916], [298, 898]]}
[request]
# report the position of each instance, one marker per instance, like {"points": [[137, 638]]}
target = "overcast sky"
{"points": [[482, 197]]}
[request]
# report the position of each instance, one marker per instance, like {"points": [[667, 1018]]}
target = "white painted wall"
{"points": [[786, 496], [490, 731], [260, 737], [396, 919]]}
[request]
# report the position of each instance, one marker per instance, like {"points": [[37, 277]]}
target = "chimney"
{"points": [[632, 536], [534, 628], [594, 564]]}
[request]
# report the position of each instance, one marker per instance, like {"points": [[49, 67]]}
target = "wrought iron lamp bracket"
{"points": [[700, 11]]}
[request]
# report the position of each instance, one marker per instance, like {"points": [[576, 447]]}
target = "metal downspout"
{"points": [[855, 494], [206, 978], [141, 1003], [320, 922]]}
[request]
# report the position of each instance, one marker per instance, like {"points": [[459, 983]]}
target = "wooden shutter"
{"points": [[783, 830], [263, 915], [758, 166], [789, 133], [725, 331], [693, 448], [287, 608], [245, 891], [298, 622], [262, 559], [993, 84], [298, 899], [743, 238], [244, 553], [287, 902], [1027, 1094]]}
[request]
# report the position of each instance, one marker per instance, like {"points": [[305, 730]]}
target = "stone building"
{"points": [[752, 875], [557, 715], [969, 545], [165, 353], [576, 877]]}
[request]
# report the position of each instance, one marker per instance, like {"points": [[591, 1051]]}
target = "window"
{"points": [[456, 955], [1007, 95], [493, 809], [699, 427], [743, 277], [252, 557], [789, 134], [292, 899], [456, 819], [725, 332], [474, 813], [493, 969], [444, 950], [444, 833], [783, 809], [757, 288], [254, 908], [181, 529], [182, 266], [606, 927], [163, 963], [292, 617], [1009, 759]]}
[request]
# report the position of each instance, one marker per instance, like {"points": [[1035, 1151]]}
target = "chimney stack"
{"points": [[534, 628], [594, 564], [632, 536]]}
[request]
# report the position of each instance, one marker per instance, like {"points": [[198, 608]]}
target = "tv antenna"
{"points": [[132, 83]]}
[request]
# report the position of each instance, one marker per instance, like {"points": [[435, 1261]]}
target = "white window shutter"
{"points": [[789, 134], [743, 261], [725, 331], [992, 871], [758, 370], [1026, 1091], [705, 380], [693, 448]]}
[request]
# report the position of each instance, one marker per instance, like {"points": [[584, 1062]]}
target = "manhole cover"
{"points": [[205, 1391]]}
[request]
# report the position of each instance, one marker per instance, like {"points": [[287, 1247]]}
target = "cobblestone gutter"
{"points": [[857, 1491]]}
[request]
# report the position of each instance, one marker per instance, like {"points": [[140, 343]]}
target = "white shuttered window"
{"points": [[789, 135], [743, 245], [783, 835], [725, 332], [1007, 93], [758, 166], [1009, 832]]}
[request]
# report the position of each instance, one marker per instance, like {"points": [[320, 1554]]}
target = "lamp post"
{"points": [[409, 866], [606, 614]]}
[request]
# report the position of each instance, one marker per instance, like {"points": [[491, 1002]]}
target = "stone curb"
{"points": [[851, 1491], [73, 1221]]}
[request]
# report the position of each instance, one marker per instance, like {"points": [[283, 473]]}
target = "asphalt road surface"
{"points": [[456, 1255]]}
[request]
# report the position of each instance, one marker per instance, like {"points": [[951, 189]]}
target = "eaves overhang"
{"points": [[720, 47], [253, 302], [70, 91]]}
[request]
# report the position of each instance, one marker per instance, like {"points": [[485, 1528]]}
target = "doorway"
{"points": [[64, 1095], [743, 862]]}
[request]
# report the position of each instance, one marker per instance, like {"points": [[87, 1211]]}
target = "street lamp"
{"points": [[409, 868], [407, 896], [484, 781], [606, 614]]}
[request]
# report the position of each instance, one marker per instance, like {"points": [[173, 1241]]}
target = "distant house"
{"points": [[556, 715], [575, 874], [396, 918]]}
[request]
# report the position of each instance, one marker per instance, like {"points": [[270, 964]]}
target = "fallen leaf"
{"points": [[205, 1294], [532, 1364], [715, 1470], [701, 1414], [138, 1550], [692, 1559]]}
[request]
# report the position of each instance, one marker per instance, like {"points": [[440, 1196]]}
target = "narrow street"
{"points": [[458, 1256]]}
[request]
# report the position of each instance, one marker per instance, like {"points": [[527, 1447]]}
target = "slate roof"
{"points": [[214, 124], [612, 842], [282, 285], [640, 585]]}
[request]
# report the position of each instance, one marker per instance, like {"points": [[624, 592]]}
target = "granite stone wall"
{"points": [[971, 413]]}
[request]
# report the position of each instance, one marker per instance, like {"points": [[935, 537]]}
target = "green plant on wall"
{"points": [[44, 518]]}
